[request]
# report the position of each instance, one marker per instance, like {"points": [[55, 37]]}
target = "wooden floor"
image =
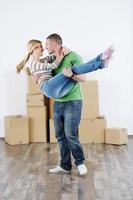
{"points": [[24, 173]]}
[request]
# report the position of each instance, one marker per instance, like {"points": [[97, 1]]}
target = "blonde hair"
{"points": [[31, 45]]}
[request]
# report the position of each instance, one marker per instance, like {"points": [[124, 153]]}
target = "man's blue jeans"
{"points": [[66, 121], [59, 85]]}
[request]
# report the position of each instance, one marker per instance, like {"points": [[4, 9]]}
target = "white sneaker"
{"points": [[82, 169], [108, 52], [58, 170]]}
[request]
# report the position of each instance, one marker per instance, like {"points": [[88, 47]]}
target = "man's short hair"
{"points": [[56, 38]]}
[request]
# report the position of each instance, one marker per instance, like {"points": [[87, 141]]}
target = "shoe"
{"points": [[82, 169], [58, 170], [106, 62], [108, 52]]}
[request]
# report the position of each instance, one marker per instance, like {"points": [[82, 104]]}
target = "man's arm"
{"points": [[77, 60], [80, 78], [68, 72]]}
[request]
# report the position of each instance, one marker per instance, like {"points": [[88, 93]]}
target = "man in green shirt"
{"points": [[67, 112]]}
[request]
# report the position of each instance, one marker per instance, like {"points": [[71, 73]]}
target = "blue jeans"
{"points": [[66, 121], [59, 85]]}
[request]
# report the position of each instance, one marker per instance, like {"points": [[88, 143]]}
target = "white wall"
{"points": [[87, 27]]}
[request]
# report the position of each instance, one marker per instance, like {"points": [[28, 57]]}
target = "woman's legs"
{"points": [[101, 61], [59, 85], [92, 65]]}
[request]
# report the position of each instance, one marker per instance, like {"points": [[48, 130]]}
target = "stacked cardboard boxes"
{"points": [[92, 128], [37, 113], [38, 125], [92, 125]]}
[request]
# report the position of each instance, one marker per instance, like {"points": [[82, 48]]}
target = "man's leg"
{"points": [[65, 154], [72, 115]]}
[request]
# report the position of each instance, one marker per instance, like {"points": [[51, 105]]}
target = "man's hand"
{"points": [[80, 78], [67, 71]]}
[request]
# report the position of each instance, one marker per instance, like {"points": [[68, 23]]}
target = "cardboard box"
{"points": [[116, 136], [35, 100], [52, 131], [90, 91], [32, 86], [37, 124], [16, 129], [89, 110], [90, 107], [92, 130], [51, 107]]}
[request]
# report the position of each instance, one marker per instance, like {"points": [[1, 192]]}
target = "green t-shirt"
{"points": [[68, 61]]}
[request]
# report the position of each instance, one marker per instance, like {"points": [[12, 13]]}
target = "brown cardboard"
{"points": [[51, 107], [90, 91], [92, 130], [90, 107], [116, 136], [37, 123], [89, 110], [52, 131], [16, 129], [32, 86], [35, 100]]}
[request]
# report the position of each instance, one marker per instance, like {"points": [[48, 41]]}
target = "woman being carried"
{"points": [[59, 85]]}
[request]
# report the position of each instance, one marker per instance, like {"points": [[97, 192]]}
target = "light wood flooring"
{"points": [[24, 173]]}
